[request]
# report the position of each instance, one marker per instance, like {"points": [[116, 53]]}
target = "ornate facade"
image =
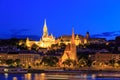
{"points": [[79, 39], [46, 40]]}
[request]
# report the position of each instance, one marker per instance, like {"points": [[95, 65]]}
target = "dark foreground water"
{"points": [[59, 76]]}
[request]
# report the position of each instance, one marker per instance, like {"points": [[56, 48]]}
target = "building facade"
{"points": [[45, 42], [27, 58], [70, 51]]}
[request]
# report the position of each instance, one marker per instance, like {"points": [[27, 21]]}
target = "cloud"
{"points": [[19, 33], [108, 35], [4, 36], [15, 32], [32, 37]]}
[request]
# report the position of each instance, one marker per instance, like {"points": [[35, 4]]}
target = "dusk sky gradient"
{"points": [[26, 17]]}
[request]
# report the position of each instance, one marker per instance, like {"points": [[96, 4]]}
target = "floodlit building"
{"points": [[27, 58], [79, 39], [70, 51], [45, 42]]}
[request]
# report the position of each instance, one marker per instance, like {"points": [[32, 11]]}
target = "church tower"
{"points": [[45, 42], [70, 51], [45, 30], [73, 47], [73, 37], [28, 43], [87, 37]]}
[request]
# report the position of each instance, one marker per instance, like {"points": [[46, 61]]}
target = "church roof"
{"points": [[68, 37], [67, 47]]}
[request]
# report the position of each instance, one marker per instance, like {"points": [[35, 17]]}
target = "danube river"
{"points": [[59, 76]]}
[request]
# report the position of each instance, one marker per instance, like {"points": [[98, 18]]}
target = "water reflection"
{"points": [[42, 76], [14, 78], [6, 75], [60, 76], [93, 76], [28, 76]]}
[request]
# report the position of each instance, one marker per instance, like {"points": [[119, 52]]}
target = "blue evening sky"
{"points": [[26, 17]]}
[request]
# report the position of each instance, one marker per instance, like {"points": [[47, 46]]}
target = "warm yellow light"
{"points": [[5, 70], [42, 76], [14, 78], [6, 75]]}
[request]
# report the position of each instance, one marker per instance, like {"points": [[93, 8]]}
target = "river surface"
{"points": [[59, 76]]}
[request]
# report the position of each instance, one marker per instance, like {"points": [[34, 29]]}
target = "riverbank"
{"points": [[71, 71]]}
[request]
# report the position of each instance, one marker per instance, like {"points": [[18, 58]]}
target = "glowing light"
{"points": [[46, 40], [93, 76], [42, 76], [6, 75], [5, 70], [14, 78], [28, 76]]}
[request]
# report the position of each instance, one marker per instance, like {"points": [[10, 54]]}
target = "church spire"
{"points": [[73, 37], [45, 25], [45, 30]]}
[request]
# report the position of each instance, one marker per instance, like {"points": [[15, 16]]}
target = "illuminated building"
{"points": [[70, 51], [45, 42], [79, 39], [104, 59], [27, 58]]}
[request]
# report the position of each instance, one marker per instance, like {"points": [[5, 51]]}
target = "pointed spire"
{"points": [[73, 37], [45, 30], [45, 23], [77, 37], [27, 39]]}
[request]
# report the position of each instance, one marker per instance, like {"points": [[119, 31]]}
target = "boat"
{"points": [[12, 70]]}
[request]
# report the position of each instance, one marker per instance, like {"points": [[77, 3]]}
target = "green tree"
{"points": [[22, 45], [50, 61], [44, 61], [82, 62], [89, 63], [17, 61], [9, 62], [112, 62], [2, 61], [34, 47], [68, 62], [62, 45]]}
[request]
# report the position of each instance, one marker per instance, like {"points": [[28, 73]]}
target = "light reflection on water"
{"points": [[59, 76]]}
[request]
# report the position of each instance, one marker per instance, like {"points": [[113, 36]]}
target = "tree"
{"points": [[82, 62], [2, 61], [62, 45], [89, 63], [17, 61], [54, 60], [9, 62], [49, 60], [22, 45], [54, 46], [112, 62], [68, 62], [44, 61], [34, 47], [37, 64]]}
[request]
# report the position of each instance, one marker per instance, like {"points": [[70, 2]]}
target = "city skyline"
{"points": [[26, 18]]}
